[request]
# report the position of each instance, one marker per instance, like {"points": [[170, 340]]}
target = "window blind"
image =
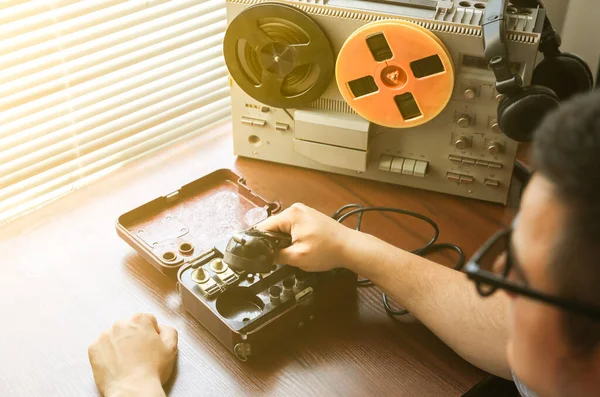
{"points": [[88, 86]]}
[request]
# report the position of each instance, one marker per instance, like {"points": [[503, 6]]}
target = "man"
{"points": [[549, 256]]}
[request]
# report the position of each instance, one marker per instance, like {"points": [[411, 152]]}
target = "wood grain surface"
{"points": [[67, 276]]}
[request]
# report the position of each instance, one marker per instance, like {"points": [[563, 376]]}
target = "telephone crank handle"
{"points": [[279, 240]]}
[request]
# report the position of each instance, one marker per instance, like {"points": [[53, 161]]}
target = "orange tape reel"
{"points": [[395, 73]]}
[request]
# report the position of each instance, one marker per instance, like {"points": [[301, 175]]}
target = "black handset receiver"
{"points": [[254, 251]]}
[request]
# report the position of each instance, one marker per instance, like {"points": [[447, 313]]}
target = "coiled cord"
{"points": [[352, 209]]}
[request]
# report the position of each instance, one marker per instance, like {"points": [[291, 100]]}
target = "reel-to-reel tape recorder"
{"points": [[397, 91]]}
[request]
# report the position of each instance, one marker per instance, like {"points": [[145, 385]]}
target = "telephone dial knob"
{"points": [[254, 251]]}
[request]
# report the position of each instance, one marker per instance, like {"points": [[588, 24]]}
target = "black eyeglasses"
{"points": [[491, 265]]}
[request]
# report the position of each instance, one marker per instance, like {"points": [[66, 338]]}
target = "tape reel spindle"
{"points": [[278, 55]]}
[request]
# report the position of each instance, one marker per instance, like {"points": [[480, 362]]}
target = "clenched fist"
{"points": [[134, 358], [319, 243]]}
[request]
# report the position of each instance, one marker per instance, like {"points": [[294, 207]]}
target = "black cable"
{"points": [[342, 214], [522, 173], [441, 246], [360, 210], [397, 211], [339, 212]]}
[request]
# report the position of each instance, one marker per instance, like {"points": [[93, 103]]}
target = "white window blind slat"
{"points": [[81, 119], [87, 86], [143, 106], [126, 53], [74, 149], [52, 145], [15, 10], [95, 71], [51, 117], [46, 33], [11, 4], [93, 151], [46, 108], [98, 37], [20, 204], [53, 16]]}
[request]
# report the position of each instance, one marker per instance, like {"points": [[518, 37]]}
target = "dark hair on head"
{"points": [[566, 150]]}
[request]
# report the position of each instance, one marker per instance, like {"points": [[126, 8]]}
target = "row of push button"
{"points": [[261, 123], [469, 161], [463, 179], [467, 180], [254, 122], [403, 166]]}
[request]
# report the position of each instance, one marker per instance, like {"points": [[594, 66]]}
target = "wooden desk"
{"points": [[66, 277]]}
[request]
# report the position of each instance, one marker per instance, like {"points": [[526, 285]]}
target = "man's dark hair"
{"points": [[566, 150]]}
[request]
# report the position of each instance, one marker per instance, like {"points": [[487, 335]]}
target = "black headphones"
{"points": [[558, 77]]}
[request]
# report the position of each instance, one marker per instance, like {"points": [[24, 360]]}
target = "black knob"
{"points": [[254, 250], [288, 283], [275, 294]]}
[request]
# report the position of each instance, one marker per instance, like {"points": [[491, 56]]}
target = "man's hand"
{"points": [[134, 358], [319, 243]]}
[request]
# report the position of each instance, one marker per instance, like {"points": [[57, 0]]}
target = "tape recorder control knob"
{"points": [[494, 148], [288, 285], [218, 266], [200, 276], [464, 121], [275, 294], [469, 93], [495, 127], [462, 143]]}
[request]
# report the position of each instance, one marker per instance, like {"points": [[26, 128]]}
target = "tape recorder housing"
{"points": [[395, 91]]}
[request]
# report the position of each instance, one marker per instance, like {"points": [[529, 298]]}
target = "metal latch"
{"points": [[172, 196]]}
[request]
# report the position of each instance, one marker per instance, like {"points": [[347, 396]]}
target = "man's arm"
{"points": [[443, 299]]}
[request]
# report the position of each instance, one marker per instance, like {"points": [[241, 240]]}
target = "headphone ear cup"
{"points": [[566, 75], [520, 115], [585, 66]]}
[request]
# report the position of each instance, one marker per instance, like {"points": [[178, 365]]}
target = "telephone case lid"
{"points": [[173, 229]]}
